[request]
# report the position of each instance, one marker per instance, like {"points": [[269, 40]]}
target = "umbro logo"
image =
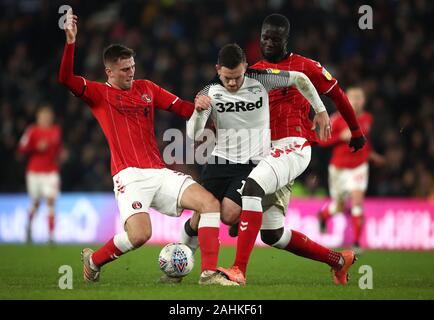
{"points": [[243, 226]]}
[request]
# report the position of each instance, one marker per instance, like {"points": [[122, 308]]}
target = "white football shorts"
{"points": [[342, 180], [288, 158], [136, 190], [42, 185]]}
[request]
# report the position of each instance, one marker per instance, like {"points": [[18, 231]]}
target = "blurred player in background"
{"points": [[290, 124], [125, 108], [349, 171], [42, 143]]}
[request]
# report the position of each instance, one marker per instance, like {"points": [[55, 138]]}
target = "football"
{"points": [[176, 260]]}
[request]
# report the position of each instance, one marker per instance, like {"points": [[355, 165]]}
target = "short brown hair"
{"points": [[231, 55], [114, 52]]}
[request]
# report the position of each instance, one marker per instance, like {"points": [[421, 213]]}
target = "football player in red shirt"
{"points": [[125, 108], [349, 171], [42, 143], [289, 121]]}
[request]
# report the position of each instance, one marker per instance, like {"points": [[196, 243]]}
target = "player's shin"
{"points": [[113, 249], [209, 226], [250, 223], [357, 223], [301, 245]]}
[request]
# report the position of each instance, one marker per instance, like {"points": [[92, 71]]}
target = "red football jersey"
{"points": [[127, 120], [41, 161], [289, 110], [342, 155], [125, 116]]}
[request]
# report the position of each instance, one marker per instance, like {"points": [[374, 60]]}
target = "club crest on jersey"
{"points": [[254, 90], [137, 205], [146, 98]]}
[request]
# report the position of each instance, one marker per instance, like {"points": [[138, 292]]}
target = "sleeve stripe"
{"points": [[173, 102], [331, 87]]}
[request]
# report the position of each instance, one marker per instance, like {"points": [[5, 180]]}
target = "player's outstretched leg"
{"points": [[196, 198], [299, 244], [138, 232]]}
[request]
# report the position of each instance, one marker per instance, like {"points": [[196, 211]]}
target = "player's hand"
{"points": [[358, 140], [70, 26], [322, 120], [202, 103], [42, 145]]}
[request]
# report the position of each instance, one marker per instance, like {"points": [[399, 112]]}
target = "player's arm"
{"points": [[26, 143], [326, 84], [199, 118], [167, 101], [344, 107], [339, 134], [274, 78], [76, 84]]}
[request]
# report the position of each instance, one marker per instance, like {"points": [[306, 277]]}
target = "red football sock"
{"points": [[209, 247], [51, 224], [325, 212], [106, 253], [302, 246], [357, 222], [248, 229]]}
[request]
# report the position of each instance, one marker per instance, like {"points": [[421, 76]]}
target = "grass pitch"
{"points": [[32, 272]]}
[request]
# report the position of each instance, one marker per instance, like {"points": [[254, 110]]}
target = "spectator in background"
{"points": [[42, 143]]}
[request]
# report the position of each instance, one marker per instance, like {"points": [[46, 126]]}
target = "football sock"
{"points": [[189, 237], [357, 222], [301, 245], [112, 250], [250, 223], [209, 227], [51, 225]]}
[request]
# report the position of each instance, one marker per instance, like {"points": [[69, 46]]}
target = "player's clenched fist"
{"points": [[202, 102], [70, 26]]}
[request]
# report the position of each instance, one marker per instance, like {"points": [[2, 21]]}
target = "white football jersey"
{"points": [[242, 118]]}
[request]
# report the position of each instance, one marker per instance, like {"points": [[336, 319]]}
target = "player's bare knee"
{"points": [[270, 237], [36, 204], [50, 202], [229, 219], [209, 203], [253, 189]]}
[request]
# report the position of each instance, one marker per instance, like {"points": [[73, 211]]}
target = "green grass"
{"points": [[31, 272]]}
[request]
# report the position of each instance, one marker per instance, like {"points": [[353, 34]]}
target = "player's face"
{"points": [[232, 79], [273, 43], [357, 99], [44, 118], [122, 72]]}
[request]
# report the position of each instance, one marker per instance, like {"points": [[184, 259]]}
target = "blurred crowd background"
{"points": [[177, 43]]}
